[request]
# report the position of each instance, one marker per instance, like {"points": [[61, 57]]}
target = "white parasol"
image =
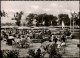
{"points": [[11, 37], [63, 25]]}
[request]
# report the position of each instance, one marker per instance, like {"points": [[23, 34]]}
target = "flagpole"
{"points": [[70, 25], [63, 25]]}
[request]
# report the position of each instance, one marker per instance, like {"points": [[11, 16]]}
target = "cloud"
{"points": [[53, 4], [35, 7], [46, 9], [49, 7], [60, 6], [11, 10], [66, 10], [29, 12]]}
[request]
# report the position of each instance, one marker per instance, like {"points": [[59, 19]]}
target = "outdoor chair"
{"points": [[70, 37], [26, 45]]}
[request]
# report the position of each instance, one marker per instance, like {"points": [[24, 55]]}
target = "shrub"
{"points": [[10, 53]]}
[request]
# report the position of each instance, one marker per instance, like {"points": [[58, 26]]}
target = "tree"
{"points": [[30, 19], [3, 14], [46, 20], [78, 19], [65, 18], [39, 19], [0, 13], [53, 20], [78, 22], [75, 18], [18, 17], [50, 20]]}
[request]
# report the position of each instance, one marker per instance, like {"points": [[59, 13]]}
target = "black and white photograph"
{"points": [[40, 29]]}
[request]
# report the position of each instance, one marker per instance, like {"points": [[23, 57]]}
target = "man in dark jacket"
{"points": [[53, 50], [55, 39], [63, 38]]}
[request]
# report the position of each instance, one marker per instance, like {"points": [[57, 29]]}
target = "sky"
{"points": [[38, 7]]}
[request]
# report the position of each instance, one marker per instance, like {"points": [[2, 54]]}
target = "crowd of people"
{"points": [[10, 36], [23, 39]]}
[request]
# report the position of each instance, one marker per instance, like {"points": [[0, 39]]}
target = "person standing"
{"points": [[63, 39], [55, 39], [28, 39], [52, 36], [53, 50]]}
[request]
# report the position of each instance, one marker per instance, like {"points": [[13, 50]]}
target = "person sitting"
{"points": [[55, 39], [67, 33], [22, 41], [63, 38], [63, 45], [10, 39], [6, 39], [14, 35], [38, 53]]}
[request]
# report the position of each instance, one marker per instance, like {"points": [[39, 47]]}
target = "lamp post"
{"points": [[70, 25], [73, 25], [73, 17], [78, 23], [78, 45]]}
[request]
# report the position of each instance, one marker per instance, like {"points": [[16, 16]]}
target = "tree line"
{"points": [[44, 19]]}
